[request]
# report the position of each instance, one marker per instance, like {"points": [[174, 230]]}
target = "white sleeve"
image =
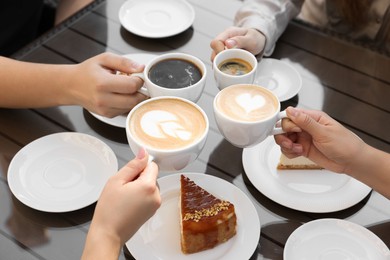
{"points": [[270, 17]]}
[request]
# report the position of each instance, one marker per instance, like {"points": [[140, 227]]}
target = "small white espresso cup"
{"points": [[234, 66], [246, 114], [172, 130], [174, 74]]}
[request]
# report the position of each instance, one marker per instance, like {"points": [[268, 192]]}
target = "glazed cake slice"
{"points": [[300, 162], [205, 220]]}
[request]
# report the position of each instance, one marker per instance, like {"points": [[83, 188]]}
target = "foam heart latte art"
{"points": [[167, 124], [248, 103]]}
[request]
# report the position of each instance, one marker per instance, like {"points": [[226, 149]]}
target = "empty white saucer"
{"points": [[61, 172], [333, 239], [279, 77], [156, 18]]}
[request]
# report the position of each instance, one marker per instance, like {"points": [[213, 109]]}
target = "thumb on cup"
{"points": [[302, 121]]}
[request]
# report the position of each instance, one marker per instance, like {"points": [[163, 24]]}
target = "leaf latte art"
{"points": [[167, 124]]}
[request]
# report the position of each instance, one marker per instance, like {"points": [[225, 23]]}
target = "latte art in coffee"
{"points": [[163, 124], [247, 103], [167, 124]]}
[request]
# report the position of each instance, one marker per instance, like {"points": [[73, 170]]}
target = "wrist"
{"points": [[372, 168], [69, 88], [360, 161], [262, 41], [101, 244]]}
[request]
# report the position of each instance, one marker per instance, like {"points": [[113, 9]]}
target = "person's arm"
{"points": [[25, 85], [128, 199], [270, 17], [66, 8], [322, 139], [372, 167], [258, 25], [92, 84]]}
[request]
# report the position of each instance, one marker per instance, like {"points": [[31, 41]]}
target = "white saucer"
{"points": [[317, 191], [61, 172], [120, 121], [156, 18], [279, 77], [159, 238], [332, 239]]}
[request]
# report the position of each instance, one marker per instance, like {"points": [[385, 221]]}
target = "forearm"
{"points": [[270, 17], [30, 85], [372, 168], [100, 246], [66, 8]]}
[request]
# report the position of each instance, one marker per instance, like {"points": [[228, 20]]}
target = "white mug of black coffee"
{"points": [[234, 66], [172, 129], [174, 74]]}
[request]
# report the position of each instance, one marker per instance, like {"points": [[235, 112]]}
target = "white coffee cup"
{"points": [[172, 130], [169, 80], [246, 114], [234, 66]]}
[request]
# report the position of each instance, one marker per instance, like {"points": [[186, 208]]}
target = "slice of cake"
{"points": [[296, 163], [205, 220]]}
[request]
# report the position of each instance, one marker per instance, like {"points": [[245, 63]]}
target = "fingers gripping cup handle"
{"points": [[279, 130], [143, 90]]}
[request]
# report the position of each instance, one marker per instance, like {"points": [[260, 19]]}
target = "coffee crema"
{"points": [[235, 67], [248, 103], [174, 73], [167, 124]]}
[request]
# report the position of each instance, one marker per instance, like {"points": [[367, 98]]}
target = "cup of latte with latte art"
{"points": [[246, 114], [172, 129]]}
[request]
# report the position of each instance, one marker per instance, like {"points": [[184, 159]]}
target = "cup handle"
{"points": [[143, 90], [279, 130], [150, 159]]}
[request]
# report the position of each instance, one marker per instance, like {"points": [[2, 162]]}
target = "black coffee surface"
{"points": [[174, 73], [235, 67]]}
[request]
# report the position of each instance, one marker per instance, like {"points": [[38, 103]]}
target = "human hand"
{"points": [[129, 198], [319, 137], [96, 86], [127, 201], [236, 37]]}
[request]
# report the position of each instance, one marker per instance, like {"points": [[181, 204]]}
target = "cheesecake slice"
{"points": [[205, 220], [296, 163]]}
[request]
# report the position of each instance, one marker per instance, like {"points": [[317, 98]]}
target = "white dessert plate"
{"points": [[61, 172], [156, 18], [159, 237], [120, 121], [330, 239], [279, 77], [316, 191]]}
